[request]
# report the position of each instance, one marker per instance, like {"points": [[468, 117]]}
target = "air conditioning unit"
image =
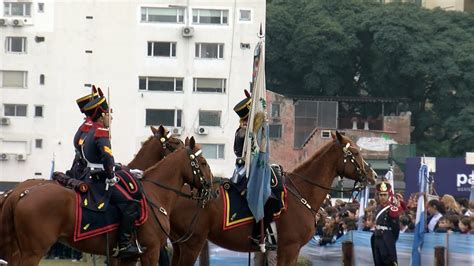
{"points": [[3, 22], [17, 22], [177, 131], [3, 157], [202, 130], [21, 157], [188, 32], [5, 121]]}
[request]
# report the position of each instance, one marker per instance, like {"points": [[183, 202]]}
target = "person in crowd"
{"points": [[369, 223], [444, 225], [465, 225], [451, 206], [387, 227], [406, 224], [436, 210], [329, 230]]}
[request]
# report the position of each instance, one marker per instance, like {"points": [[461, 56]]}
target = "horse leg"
{"points": [[188, 253], [176, 255], [151, 256], [29, 258], [287, 255]]}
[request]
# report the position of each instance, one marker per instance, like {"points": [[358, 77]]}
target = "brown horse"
{"points": [[56, 211], [309, 182]]}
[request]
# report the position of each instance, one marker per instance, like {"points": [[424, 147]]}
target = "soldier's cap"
{"points": [[96, 107], [383, 187], [81, 102], [243, 107]]}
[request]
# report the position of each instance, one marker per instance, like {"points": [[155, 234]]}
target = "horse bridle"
{"points": [[165, 141]]}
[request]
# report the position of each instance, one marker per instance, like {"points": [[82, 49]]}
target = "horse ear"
{"points": [[186, 141], [153, 130], [192, 143], [339, 137], [162, 130]]}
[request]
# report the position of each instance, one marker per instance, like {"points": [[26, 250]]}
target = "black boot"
{"points": [[127, 247]]}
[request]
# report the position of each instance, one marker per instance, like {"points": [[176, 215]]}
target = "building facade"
{"points": [[183, 64]]}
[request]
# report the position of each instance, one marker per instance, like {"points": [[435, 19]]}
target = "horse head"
{"points": [[351, 164], [155, 148], [199, 175]]}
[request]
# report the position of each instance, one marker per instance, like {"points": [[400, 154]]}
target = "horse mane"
{"points": [[315, 156]]}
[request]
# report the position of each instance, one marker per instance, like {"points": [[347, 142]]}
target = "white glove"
{"points": [[110, 182], [137, 173]]}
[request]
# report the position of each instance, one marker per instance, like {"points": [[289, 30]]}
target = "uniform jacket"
{"points": [[97, 149]]}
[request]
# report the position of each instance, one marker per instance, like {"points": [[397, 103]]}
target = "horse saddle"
{"points": [[96, 215], [236, 210]]}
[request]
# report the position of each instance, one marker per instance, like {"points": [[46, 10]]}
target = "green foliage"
{"points": [[350, 48]]}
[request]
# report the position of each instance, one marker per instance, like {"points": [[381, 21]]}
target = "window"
{"points": [[22, 9], [210, 118], [209, 85], [245, 15], [275, 110], [162, 15], [39, 143], [38, 111], [213, 151], [40, 7], [15, 44], [160, 84], [13, 79], [169, 118], [274, 131], [210, 50], [165, 49], [42, 79], [210, 16], [14, 109]]}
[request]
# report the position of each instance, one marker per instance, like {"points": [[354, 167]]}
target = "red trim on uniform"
{"points": [[101, 133]]}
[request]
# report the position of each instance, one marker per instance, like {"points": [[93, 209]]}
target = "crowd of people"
{"points": [[444, 215]]}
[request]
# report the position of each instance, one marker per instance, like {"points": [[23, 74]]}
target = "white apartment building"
{"points": [[180, 63]]}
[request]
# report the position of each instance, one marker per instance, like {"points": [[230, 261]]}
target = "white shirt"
{"points": [[434, 221]]}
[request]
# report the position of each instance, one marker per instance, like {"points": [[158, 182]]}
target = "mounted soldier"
{"points": [[97, 153], [243, 110], [79, 165]]}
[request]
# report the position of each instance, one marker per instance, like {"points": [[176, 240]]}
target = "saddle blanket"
{"points": [[237, 212], [94, 214]]}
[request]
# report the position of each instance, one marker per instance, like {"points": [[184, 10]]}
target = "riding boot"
{"points": [[127, 248], [256, 232]]}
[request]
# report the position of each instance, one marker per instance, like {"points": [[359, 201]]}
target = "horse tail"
{"points": [[8, 240]]}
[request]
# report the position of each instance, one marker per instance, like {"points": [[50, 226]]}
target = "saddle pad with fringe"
{"points": [[94, 214], [236, 210]]}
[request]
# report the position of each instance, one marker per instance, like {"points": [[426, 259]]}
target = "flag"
{"points": [[420, 216], [256, 145], [363, 201]]}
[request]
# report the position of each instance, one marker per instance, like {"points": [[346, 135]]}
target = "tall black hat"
{"points": [[96, 106], [243, 107], [81, 102]]}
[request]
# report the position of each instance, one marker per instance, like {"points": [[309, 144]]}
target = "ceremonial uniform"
{"points": [[78, 168], [97, 152], [387, 229]]}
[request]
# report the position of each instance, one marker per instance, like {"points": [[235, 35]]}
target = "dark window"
{"points": [[40, 7], [170, 118], [38, 111], [42, 79], [210, 118], [39, 143], [275, 131]]}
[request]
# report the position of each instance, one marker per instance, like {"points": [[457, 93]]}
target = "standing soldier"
{"points": [[387, 228], [97, 153]]}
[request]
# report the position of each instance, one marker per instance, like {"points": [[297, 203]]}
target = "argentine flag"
{"points": [[420, 216]]}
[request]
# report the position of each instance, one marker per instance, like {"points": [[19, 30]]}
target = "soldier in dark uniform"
{"points": [[79, 165], [97, 152], [387, 228]]}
